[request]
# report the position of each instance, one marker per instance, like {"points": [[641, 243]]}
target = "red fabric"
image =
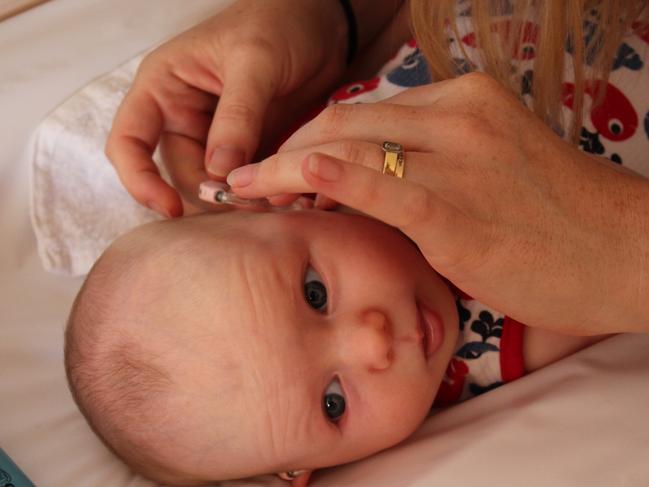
{"points": [[512, 364], [301, 121], [452, 386]]}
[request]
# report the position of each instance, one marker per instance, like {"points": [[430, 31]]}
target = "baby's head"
{"points": [[226, 346]]}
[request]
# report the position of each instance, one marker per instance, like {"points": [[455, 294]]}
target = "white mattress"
{"points": [[582, 421]]}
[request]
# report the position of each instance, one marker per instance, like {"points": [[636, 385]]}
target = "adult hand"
{"points": [[259, 64], [497, 203]]}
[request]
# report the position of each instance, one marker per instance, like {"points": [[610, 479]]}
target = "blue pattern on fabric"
{"points": [[412, 72], [481, 331], [589, 32], [627, 57]]}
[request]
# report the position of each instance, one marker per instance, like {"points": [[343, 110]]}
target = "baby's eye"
{"points": [[333, 401], [315, 292]]}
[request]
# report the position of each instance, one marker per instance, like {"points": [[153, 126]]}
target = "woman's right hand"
{"points": [[497, 203], [216, 94]]}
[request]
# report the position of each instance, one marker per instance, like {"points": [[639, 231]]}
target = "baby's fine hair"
{"points": [[112, 377], [119, 385]]}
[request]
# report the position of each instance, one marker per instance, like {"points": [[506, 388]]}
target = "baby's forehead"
{"points": [[206, 270], [259, 236], [223, 278]]}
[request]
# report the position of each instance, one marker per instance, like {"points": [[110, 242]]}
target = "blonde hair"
{"points": [[560, 23]]}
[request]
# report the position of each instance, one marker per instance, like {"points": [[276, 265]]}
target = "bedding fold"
{"points": [[78, 206]]}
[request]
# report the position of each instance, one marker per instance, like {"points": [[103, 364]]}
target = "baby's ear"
{"points": [[302, 480], [298, 478]]}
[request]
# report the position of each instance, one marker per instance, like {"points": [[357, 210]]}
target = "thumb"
{"points": [[236, 127]]}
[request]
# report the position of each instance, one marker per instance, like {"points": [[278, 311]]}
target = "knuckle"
{"points": [[262, 52], [238, 113], [252, 42], [152, 62], [477, 80], [333, 117], [350, 151], [270, 169], [483, 92], [114, 150], [147, 62], [271, 165]]}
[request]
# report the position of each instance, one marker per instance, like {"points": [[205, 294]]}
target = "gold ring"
{"points": [[394, 162]]}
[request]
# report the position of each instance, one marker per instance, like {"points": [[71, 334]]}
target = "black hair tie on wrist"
{"points": [[352, 30]]}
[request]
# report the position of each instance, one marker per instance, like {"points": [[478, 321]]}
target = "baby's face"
{"points": [[303, 345]]}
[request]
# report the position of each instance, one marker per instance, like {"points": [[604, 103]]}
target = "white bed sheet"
{"points": [[580, 422]]}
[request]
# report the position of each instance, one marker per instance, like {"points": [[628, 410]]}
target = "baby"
{"points": [[232, 345]]}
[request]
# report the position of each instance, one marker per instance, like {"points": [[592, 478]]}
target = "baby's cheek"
{"points": [[411, 405]]}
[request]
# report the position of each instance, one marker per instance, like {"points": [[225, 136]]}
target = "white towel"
{"points": [[78, 205]]}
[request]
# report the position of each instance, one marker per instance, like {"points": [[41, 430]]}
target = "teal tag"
{"points": [[10, 474]]}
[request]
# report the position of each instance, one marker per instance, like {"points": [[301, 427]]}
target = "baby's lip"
{"points": [[430, 329]]}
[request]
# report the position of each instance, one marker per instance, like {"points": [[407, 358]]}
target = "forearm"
{"points": [[635, 299], [542, 348], [624, 233], [383, 21], [375, 21]]}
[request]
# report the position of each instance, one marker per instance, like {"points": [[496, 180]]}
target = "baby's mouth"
{"points": [[430, 330]]}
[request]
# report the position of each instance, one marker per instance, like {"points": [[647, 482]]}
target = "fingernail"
{"points": [[158, 209], [224, 160], [324, 167], [242, 176]]}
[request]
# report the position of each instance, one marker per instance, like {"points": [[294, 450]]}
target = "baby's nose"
{"points": [[369, 343]]}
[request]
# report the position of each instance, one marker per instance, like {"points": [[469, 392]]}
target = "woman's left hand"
{"points": [[498, 204]]}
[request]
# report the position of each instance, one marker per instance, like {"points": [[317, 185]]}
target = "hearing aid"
{"points": [[221, 194]]}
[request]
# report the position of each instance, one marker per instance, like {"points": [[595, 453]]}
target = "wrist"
{"points": [[331, 27], [635, 300], [625, 276], [351, 30]]}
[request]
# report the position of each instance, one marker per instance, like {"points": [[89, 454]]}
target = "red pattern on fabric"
{"points": [[615, 118], [450, 390], [512, 363], [642, 30]]}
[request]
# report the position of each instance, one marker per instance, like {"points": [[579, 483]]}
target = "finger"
{"points": [[183, 158], [280, 173], [409, 206], [236, 128], [188, 112], [375, 122], [283, 199], [130, 146]]}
